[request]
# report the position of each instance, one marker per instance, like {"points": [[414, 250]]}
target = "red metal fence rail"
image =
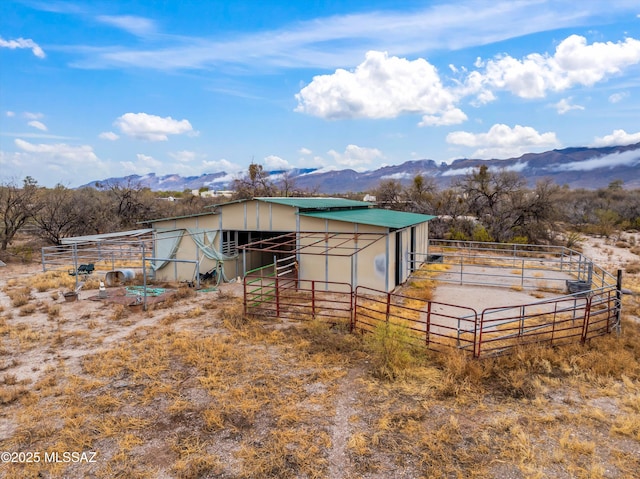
{"points": [[419, 322], [288, 297], [438, 326]]}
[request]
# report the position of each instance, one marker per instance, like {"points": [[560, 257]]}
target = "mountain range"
{"points": [[588, 168]]}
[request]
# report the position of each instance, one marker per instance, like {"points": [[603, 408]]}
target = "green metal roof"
{"points": [[317, 203], [373, 216]]}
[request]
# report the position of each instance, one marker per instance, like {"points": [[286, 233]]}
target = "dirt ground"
{"points": [[189, 389]]}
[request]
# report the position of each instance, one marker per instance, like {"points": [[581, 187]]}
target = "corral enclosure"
{"points": [[573, 300]]}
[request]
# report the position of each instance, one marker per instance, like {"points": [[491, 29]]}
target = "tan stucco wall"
{"points": [[176, 271], [366, 267], [373, 267], [187, 249], [202, 222], [255, 215]]}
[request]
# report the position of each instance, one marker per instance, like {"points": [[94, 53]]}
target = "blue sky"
{"points": [[91, 90]]}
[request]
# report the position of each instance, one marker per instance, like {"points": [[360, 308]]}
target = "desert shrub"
{"points": [[19, 300], [392, 354], [185, 292], [520, 240], [633, 267], [27, 309], [574, 240], [53, 311], [480, 233], [457, 235], [233, 316], [119, 312]]}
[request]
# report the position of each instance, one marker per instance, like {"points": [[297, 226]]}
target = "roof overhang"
{"points": [[131, 234]]}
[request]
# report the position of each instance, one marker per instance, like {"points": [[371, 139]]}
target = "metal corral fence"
{"points": [[510, 265], [114, 257], [569, 318], [102, 254], [418, 321], [275, 290]]}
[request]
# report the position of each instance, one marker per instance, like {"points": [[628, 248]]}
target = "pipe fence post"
{"points": [[618, 301], [277, 298], [244, 294], [388, 307], [587, 318]]}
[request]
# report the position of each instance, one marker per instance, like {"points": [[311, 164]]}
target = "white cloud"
{"points": [[517, 167], [273, 162], [305, 151], [108, 135], [574, 63], [10, 114], [502, 141], [143, 165], [183, 156], [37, 125], [618, 97], [315, 161], [453, 116], [406, 31], [151, 127], [625, 158], [59, 150], [381, 87], [564, 105], [136, 25], [148, 161], [398, 176], [23, 43], [46, 136], [618, 137], [59, 162], [356, 157], [130, 167], [29, 115], [219, 166]]}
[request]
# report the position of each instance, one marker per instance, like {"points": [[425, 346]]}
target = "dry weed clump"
{"points": [[232, 315], [51, 280], [392, 354], [27, 309], [632, 267]]}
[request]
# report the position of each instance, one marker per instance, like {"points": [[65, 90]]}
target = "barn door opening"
{"points": [[398, 272]]}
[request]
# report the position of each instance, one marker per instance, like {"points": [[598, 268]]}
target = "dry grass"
{"points": [[196, 391]]}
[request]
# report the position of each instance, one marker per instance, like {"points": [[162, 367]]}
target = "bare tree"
{"points": [[130, 203], [390, 194], [60, 214], [254, 183], [489, 196], [421, 195], [17, 205]]}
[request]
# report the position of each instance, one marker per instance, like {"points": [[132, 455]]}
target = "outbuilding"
{"points": [[329, 239]]}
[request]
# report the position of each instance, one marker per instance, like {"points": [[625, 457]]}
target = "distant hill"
{"points": [[589, 168]]}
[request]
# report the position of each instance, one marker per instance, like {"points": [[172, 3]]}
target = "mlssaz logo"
{"points": [[70, 457]]}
